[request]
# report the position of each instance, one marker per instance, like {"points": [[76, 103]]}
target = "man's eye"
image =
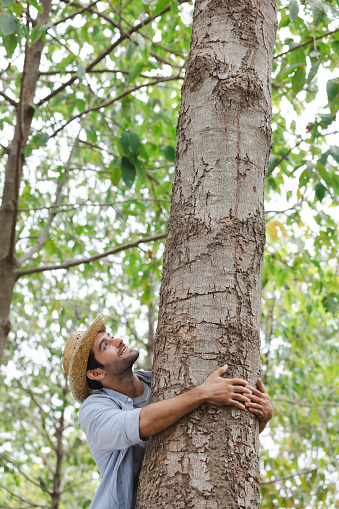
{"points": [[106, 345]]}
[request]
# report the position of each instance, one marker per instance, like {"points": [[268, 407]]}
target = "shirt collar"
{"points": [[145, 376]]}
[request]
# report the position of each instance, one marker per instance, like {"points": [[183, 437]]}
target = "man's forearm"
{"points": [[160, 415], [215, 390]]}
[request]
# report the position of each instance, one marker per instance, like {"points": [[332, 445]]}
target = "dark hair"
{"points": [[93, 364]]}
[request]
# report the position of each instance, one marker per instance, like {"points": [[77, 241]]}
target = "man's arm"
{"points": [[220, 391], [260, 404]]}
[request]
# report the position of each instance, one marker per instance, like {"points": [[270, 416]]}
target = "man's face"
{"points": [[113, 354]]}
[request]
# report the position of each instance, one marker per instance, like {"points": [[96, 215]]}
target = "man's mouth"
{"points": [[124, 350]]}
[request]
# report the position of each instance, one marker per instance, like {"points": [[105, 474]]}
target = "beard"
{"points": [[118, 368]]}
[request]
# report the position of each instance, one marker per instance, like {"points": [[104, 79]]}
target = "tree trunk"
{"points": [[13, 175], [7, 282], [150, 339], [211, 283]]}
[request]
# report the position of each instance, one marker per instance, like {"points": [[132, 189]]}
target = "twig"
{"points": [[73, 262], [25, 475], [275, 212], [31, 504], [121, 96], [41, 411], [282, 158], [304, 403], [102, 56], [11, 101], [44, 234], [311, 41], [303, 472], [81, 204], [76, 13]]}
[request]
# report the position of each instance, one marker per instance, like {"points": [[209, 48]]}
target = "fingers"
{"points": [[255, 398], [256, 412], [253, 405], [241, 389], [254, 391], [260, 385], [237, 404], [241, 397], [238, 381], [221, 371]]}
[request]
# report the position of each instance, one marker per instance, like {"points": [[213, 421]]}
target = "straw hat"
{"points": [[75, 357]]}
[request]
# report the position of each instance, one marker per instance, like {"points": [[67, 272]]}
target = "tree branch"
{"points": [[311, 41], [283, 157], [304, 403], [31, 504], [14, 463], [73, 262], [121, 96], [63, 71], [303, 472], [44, 234], [81, 204], [76, 13], [8, 99], [85, 481], [117, 25], [41, 411], [102, 55]]}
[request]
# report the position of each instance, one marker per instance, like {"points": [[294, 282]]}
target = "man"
{"points": [[116, 417]]}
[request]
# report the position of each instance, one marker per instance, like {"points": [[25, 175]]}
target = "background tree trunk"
{"points": [[211, 283], [13, 175]]}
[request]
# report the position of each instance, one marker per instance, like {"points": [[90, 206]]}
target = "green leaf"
{"points": [[141, 170], [334, 151], [294, 9], [320, 191], [327, 119], [299, 79], [315, 53], [115, 168], [136, 70], [10, 43], [7, 24], [127, 172], [169, 153], [35, 34], [43, 138], [285, 20], [332, 89], [313, 71], [130, 143]]}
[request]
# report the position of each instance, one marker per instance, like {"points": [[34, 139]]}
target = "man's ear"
{"points": [[95, 374]]}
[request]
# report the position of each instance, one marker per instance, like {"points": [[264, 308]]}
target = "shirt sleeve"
{"points": [[107, 427]]}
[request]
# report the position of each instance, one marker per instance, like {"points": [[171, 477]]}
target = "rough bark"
{"points": [[150, 339], [211, 283]]}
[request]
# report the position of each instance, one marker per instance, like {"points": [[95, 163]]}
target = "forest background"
{"points": [[92, 211]]}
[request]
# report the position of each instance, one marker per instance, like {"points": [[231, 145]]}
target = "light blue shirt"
{"points": [[111, 425]]}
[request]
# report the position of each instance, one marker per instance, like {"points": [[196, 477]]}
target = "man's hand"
{"points": [[226, 391], [220, 391], [260, 404]]}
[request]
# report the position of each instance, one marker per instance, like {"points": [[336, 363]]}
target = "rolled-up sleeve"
{"points": [[108, 427]]}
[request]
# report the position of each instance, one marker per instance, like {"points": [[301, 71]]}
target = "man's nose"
{"points": [[117, 342]]}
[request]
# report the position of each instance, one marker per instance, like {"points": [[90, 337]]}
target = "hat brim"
{"points": [[78, 364]]}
